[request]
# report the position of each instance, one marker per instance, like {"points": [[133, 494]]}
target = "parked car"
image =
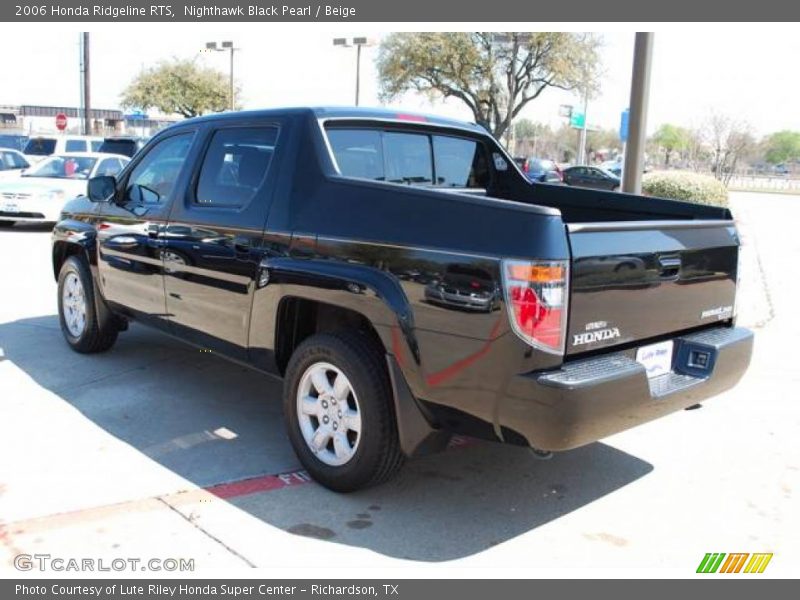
{"points": [[541, 169], [464, 286], [125, 145], [13, 141], [41, 147], [613, 166], [12, 163], [40, 192], [591, 177], [275, 238]]}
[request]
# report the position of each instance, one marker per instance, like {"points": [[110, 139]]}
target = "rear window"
{"points": [[123, 147], [40, 146], [410, 158]]}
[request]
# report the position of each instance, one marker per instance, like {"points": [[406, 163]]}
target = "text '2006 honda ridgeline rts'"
{"points": [[407, 282]]}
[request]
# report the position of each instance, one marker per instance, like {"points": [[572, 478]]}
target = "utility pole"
{"points": [[87, 85], [637, 125], [582, 134]]}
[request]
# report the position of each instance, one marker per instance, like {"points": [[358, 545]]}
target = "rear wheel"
{"points": [[76, 310], [339, 411]]}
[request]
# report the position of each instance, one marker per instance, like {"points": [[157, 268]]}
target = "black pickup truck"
{"points": [[407, 282]]}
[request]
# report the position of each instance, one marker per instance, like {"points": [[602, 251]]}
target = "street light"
{"points": [[357, 42], [212, 47]]}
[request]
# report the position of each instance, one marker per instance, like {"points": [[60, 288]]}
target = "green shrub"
{"points": [[687, 186]]}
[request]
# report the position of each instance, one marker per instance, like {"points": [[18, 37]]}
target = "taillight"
{"points": [[525, 166], [536, 298]]}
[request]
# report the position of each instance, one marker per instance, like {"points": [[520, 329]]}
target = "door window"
{"points": [[153, 179], [235, 166], [75, 146]]}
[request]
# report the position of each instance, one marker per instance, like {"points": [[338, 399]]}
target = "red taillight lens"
{"points": [[536, 296]]}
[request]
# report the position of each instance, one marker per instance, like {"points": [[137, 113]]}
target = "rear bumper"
{"points": [[587, 400]]}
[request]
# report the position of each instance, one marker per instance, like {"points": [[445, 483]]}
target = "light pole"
{"points": [[358, 42], [212, 47]]}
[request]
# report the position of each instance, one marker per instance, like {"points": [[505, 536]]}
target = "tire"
{"points": [[77, 313], [6, 224], [345, 459]]}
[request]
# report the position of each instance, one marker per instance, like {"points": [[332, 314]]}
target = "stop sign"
{"points": [[61, 121]]}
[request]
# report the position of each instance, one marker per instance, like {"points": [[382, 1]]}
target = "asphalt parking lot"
{"points": [[156, 449]]}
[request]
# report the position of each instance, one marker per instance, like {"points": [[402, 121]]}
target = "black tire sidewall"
{"points": [[371, 393], [77, 266]]}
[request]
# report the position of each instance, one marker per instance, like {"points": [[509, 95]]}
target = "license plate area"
{"points": [[656, 358]]}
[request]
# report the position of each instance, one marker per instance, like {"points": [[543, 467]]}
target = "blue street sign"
{"points": [[623, 125], [137, 116]]}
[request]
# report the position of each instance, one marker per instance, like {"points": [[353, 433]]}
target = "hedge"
{"points": [[684, 185]]}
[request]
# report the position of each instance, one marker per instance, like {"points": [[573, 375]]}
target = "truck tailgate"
{"points": [[637, 280]]}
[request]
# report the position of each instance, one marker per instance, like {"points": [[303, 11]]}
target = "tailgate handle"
{"points": [[669, 265]]}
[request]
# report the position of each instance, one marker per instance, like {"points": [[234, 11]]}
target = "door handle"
{"points": [[122, 242], [153, 229], [241, 243], [669, 265]]}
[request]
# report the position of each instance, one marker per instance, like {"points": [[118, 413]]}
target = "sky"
{"points": [[742, 72]]}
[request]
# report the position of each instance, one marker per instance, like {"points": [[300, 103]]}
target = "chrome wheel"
{"points": [[328, 413], [73, 302]]}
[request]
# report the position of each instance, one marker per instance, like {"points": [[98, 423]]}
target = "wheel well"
{"points": [[61, 252], [299, 318]]}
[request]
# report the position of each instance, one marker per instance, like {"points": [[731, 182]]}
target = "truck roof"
{"points": [[344, 112]]}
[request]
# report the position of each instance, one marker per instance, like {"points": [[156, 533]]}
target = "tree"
{"points": [[730, 141], [179, 87], [495, 74], [782, 147], [671, 138]]}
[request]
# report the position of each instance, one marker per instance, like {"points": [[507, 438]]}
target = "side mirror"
{"points": [[102, 188]]}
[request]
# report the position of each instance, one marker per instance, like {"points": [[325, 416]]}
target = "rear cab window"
{"points": [[407, 157], [40, 146]]}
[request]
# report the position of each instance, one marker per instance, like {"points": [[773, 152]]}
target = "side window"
{"points": [[5, 161], [109, 166], [235, 166], [460, 162], [75, 146], [19, 162], [96, 145], [153, 179]]}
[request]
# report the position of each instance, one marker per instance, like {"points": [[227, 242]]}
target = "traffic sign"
{"points": [[577, 120], [623, 125], [61, 121]]}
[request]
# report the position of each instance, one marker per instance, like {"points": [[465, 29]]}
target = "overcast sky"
{"points": [[745, 72]]}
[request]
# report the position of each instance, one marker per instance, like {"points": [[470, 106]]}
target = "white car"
{"points": [[12, 163], [40, 192], [40, 147]]}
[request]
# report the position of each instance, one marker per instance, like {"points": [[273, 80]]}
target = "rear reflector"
{"points": [[536, 296]]}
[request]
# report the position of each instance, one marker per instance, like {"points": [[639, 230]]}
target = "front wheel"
{"points": [[77, 313], [339, 411]]}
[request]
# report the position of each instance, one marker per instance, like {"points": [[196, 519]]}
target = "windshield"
{"points": [[40, 147], [63, 167]]}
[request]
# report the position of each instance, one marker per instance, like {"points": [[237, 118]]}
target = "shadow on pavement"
{"points": [[212, 422]]}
